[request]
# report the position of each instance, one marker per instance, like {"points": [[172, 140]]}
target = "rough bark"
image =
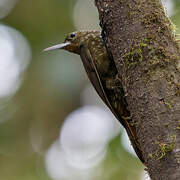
{"points": [[141, 39]]}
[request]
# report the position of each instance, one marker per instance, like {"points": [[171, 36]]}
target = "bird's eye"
{"points": [[72, 35]]}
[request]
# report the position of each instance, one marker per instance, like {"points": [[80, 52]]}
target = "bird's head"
{"points": [[72, 42]]}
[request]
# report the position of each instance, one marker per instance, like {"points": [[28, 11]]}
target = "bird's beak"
{"points": [[58, 46]]}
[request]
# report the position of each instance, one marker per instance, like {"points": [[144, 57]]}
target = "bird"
{"points": [[103, 75]]}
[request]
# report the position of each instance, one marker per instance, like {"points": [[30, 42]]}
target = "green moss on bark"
{"points": [[164, 147]]}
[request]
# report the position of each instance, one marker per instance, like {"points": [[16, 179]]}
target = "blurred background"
{"points": [[53, 126]]}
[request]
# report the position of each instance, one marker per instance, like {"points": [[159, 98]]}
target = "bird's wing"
{"points": [[96, 81], [93, 75]]}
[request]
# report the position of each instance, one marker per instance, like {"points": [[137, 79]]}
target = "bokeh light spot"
{"points": [[145, 176], [127, 144], [168, 6], [59, 168], [14, 58], [6, 6], [83, 143], [85, 134], [85, 15]]}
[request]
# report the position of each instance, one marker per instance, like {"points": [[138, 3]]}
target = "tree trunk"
{"points": [[141, 40]]}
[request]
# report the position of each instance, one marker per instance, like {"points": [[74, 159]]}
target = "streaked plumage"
{"points": [[103, 75]]}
